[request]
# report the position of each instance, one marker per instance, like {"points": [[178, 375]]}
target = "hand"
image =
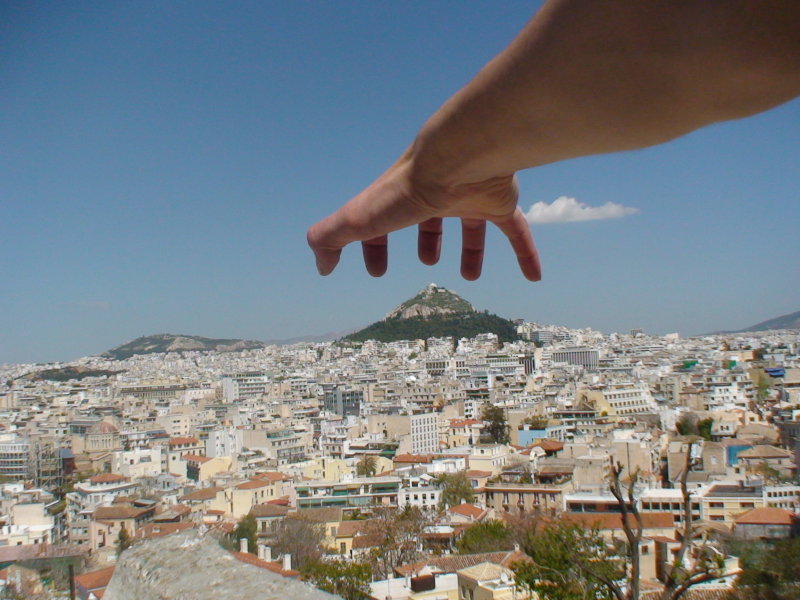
{"points": [[399, 199]]}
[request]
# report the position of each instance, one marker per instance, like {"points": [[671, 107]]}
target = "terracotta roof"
{"points": [[202, 494], [465, 422], [318, 515], [478, 474], [654, 520], [107, 478], [413, 458], [118, 512], [765, 516], [269, 510], [275, 567], [94, 580], [155, 530], [467, 510], [354, 528], [181, 441], [196, 458], [253, 484], [549, 445], [104, 427], [370, 540]]}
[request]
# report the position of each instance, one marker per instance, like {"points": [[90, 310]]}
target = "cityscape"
{"points": [[529, 460]]}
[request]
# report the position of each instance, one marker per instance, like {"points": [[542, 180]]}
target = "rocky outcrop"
{"points": [[190, 566]]}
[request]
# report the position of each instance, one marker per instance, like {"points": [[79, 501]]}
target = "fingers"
{"points": [[376, 253], [385, 206], [473, 239], [429, 242], [326, 254], [518, 233]]}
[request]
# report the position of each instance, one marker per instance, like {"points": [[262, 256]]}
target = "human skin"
{"points": [[583, 77]]}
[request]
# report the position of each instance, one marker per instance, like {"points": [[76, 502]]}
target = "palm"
{"points": [[395, 201]]}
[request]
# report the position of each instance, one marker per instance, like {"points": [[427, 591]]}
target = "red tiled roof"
{"points": [[550, 445], [275, 567], [202, 494], [662, 520], [253, 484], [269, 510], [464, 422], [155, 530], [467, 510], [196, 458], [117, 512], [182, 441], [107, 478], [479, 474], [413, 458], [765, 516], [95, 580]]}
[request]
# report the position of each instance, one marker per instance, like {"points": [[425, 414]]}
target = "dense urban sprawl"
{"points": [[414, 469]]}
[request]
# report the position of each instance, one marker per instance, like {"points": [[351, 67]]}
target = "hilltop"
{"points": [[435, 312], [168, 342], [790, 321]]}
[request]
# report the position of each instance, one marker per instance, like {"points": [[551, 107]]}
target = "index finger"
{"points": [[518, 232]]}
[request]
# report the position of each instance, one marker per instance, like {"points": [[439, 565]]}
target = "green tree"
{"points": [[399, 537], [124, 540], [773, 573], [763, 387], [455, 489], [687, 424], [704, 428], [301, 538], [350, 580], [247, 528], [367, 466], [489, 536], [496, 426], [569, 562]]}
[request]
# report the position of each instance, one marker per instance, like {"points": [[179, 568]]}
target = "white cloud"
{"points": [[567, 210]]}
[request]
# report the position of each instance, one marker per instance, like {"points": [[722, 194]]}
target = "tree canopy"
{"points": [[350, 580], [455, 489], [496, 428]]}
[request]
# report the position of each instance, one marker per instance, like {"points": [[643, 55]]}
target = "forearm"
{"points": [[588, 77]]}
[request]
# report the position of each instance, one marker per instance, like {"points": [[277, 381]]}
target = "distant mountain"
{"points": [[790, 321], [435, 312], [168, 342]]}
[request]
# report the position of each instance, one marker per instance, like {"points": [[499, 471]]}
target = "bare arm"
{"points": [[583, 77]]}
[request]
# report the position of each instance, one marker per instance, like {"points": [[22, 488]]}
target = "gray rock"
{"points": [[190, 566]]}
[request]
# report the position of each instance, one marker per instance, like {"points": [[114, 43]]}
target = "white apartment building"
{"points": [[227, 441], [584, 357], [424, 433], [621, 398], [29, 523], [245, 385], [426, 498], [99, 490], [14, 456], [139, 462]]}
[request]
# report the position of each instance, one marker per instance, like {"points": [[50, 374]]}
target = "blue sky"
{"points": [[160, 163]]}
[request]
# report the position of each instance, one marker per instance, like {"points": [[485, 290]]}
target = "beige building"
{"points": [[488, 581]]}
